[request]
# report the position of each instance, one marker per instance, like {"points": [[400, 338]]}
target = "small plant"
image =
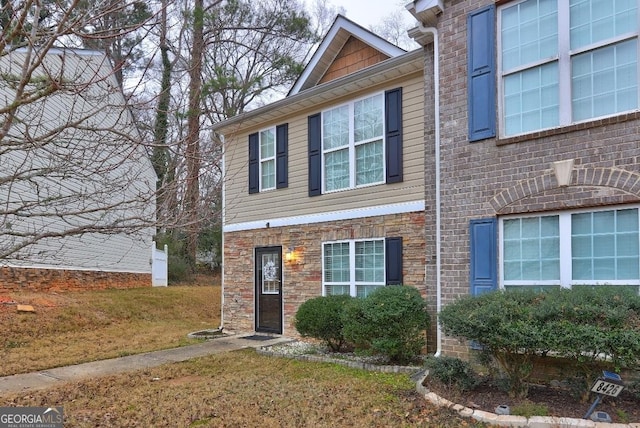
{"points": [[452, 372], [529, 409], [321, 318], [623, 417], [391, 321]]}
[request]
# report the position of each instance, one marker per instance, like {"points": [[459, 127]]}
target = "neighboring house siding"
{"points": [[107, 164], [242, 207], [495, 177]]}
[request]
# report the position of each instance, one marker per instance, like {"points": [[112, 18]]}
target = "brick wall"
{"points": [[496, 177], [21, 279], [302, 278]]}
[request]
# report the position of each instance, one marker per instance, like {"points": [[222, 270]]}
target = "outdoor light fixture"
{"points": [[290, 255]]}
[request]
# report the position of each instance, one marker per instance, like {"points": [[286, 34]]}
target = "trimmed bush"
{"points": [[391, 321], [321, 318], [584, 324], [452, 372]]}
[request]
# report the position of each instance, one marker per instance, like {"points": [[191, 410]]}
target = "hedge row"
{"points": [[597, 327]]}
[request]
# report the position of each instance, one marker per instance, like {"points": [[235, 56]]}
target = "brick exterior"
{"points": [[494, 177], [35, 279], [302, 278]]}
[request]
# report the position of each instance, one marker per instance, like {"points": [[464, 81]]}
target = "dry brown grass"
{"points": [[75, 327], [236, 389], [243, 389]]}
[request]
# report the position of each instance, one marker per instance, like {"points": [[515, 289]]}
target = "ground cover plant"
{"points": [[74, 327]]}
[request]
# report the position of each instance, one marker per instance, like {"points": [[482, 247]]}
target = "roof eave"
{"points": [[392, 68]]}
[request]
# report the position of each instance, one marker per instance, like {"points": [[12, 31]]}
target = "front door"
{"points": [[269, 289]]}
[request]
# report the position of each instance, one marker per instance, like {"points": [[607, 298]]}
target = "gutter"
{"points": [[436, 89]]}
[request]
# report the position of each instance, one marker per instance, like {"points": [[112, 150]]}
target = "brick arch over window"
{"points": [[622, 180]]}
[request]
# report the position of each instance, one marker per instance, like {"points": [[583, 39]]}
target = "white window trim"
{"points": [[563, 57], [261, 160], [564, 219], [352, 265], [353, 145]]}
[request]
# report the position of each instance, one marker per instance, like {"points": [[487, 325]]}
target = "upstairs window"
{"points": [[566, 61], [353, 144], [357, 144], [267, 159]]}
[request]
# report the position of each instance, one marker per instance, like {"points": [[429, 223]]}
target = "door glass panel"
{"points": [[270, 273]]}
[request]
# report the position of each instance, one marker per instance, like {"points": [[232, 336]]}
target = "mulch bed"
{"points": [[559, 402]]}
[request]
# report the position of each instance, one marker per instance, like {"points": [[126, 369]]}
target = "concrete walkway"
{"points": [[52, 377]]}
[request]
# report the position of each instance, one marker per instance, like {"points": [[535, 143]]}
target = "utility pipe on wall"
{"points": [[436, 95]]}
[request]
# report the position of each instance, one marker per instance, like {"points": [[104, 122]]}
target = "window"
{"points": [[356, 144], [357, 267], [572, 248], [269, 159], [353, 144], [566, 61]]}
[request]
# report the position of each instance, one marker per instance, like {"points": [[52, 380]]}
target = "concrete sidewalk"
{"points": [[52, 377]]}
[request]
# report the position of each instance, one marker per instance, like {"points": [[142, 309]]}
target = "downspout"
{"points": [[436, 108]]}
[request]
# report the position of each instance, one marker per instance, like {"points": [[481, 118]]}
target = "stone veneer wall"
{"points": [[302, 278], [497, 176], [34, 279]]}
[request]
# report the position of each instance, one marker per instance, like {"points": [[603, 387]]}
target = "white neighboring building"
{"points": [[77, 188]]}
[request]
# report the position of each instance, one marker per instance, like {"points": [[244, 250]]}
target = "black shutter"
{"points": [[315, 154], [393, 261], [483, 263], [282, 156], [393, 125], [254, 164], [481, 73]]}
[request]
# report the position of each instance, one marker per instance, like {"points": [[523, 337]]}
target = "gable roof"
{"points": [[342, 31]]}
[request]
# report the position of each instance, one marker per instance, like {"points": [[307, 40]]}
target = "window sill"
{"points": [[611, 120]]}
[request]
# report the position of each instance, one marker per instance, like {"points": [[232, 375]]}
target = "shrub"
{"points": [[583, 324], [504, 323], [452, 372], [321, 318], [391, 321]]}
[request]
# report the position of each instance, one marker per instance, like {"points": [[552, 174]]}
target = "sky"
{"points": [[371, 12]]}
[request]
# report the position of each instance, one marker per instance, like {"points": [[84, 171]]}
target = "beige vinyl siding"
{"points": [[241, 207]]}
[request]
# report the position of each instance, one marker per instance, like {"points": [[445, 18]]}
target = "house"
{"points": [[538, 145], [76, 185], [324, 189]]}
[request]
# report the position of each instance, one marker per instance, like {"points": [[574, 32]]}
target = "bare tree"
{"points": [[73, 165]]}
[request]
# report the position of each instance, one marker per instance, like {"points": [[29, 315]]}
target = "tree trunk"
{"points": [[193, 131]]}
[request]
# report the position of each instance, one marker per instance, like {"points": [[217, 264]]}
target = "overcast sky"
{"points": [[371, 12]]}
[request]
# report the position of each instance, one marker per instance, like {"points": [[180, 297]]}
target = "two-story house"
{"points": [[324, 190], [538, 140]]}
